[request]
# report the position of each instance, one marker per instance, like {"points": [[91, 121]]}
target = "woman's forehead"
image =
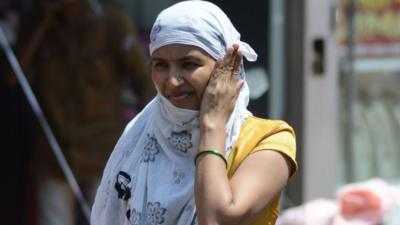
{"points": [[179, 51]]}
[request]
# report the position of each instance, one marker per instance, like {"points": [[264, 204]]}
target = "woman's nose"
{"points": [[175, 81], [175, 78]]}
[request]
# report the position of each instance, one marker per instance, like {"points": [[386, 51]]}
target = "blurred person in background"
{"points": [[76, 59]]}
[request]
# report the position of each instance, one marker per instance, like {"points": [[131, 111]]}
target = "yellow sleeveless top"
{"points": [[260, 134]]}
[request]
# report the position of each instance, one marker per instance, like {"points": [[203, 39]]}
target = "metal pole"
{"points": [[276, 59], [44, 124], [350, 92]]}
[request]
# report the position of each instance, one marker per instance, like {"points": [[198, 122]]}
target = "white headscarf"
{"points": [[149, 178]]}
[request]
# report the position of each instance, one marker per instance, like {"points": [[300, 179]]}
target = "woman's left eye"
{"points": [[190, 65]]}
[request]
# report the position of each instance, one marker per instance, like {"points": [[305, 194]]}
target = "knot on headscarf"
{"points": [[197, 23]]}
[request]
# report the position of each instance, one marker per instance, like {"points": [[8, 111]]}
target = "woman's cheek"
{"points": [[157, 81]]}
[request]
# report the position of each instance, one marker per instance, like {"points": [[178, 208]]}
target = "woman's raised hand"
{"points": [[222, 90]]}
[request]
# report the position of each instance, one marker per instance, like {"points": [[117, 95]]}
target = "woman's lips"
{"points": [[178, 97]]}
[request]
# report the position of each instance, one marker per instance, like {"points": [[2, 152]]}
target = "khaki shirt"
{"points": [[77, 73]]}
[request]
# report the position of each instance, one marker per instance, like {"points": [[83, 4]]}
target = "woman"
{"points": [[199, 115]]}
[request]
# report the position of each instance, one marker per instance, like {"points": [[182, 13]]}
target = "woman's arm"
{"points": [[259, 178]]}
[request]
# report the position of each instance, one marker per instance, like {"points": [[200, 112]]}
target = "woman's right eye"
{"points": [[160, 65]]}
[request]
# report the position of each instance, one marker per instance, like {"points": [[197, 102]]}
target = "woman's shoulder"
{"points": [[266, 127], [256, 132], [263, 134], [259, 134]]}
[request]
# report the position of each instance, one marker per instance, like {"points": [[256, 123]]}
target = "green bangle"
{"points": [[213, 152]]}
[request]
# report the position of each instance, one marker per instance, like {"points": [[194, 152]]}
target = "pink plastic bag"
{"points": [[365, 203]]}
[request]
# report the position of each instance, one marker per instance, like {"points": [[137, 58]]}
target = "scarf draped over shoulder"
{"points": [[149, 177]]}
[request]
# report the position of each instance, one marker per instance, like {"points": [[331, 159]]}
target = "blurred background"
{"points": [[330, 68]]}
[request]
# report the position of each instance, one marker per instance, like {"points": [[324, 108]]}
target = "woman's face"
{"points": [[192, 64]]}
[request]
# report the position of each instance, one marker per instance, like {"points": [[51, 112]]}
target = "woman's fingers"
{"points": [[228, 69], [232, 60], [228, 56], [236, 66], [218, 69]]}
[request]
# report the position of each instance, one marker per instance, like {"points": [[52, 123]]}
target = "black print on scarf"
{"points": [[155, 213], [181, 141], [151, 149], [122, 185]]}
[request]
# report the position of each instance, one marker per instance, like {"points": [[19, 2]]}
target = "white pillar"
{"points": [[321, 96]]}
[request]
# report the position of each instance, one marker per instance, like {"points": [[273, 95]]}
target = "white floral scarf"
{"points": [[149, 178]]}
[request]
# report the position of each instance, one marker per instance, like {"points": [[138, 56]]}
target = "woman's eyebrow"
{"points": [[192, 58], [156, 59]]}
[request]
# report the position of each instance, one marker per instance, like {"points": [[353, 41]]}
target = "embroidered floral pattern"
{"points": [[151, 149], [182, 141], [178, 177], [155, 31], [155, 213], [134, 217]]}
